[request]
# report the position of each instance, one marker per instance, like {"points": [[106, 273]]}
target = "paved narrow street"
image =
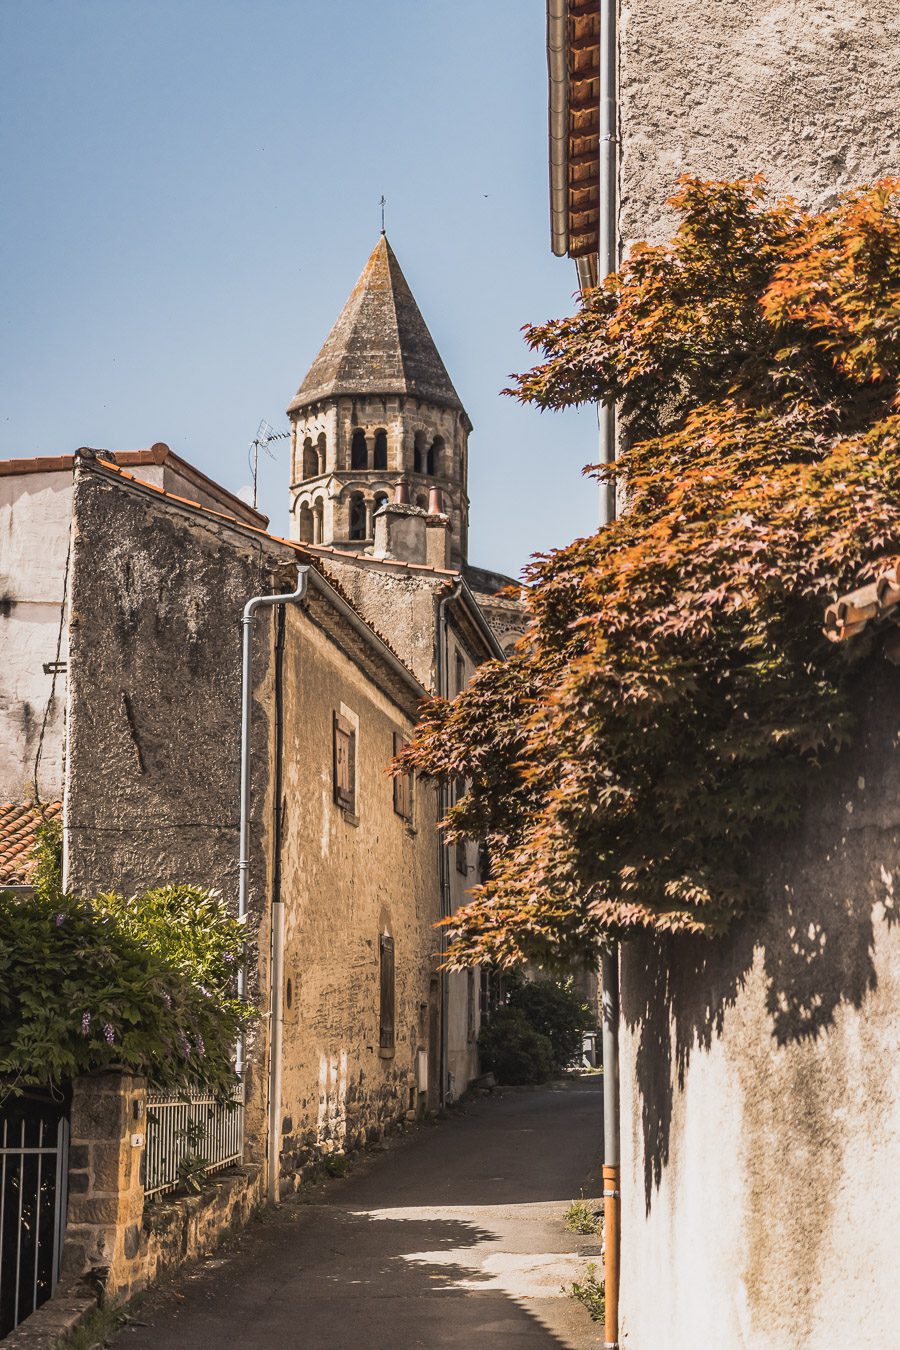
{"points": [[453, 1237]]}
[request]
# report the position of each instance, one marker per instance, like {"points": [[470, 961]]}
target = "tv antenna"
{"points": [[265, 434], [382, 204]]}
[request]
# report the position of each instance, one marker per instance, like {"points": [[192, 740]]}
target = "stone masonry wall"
{"points": [[804, 91], [346, 880], [106, 1197], [154, 713], [761, 1082]]}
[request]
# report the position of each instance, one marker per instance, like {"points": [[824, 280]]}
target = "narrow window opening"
{"points": [[359, 454], [380, 460], [386, 1030], [357, 516], [305, 525], [435, 454], [310, 460]]}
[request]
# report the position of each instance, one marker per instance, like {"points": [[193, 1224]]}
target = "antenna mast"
{"points": [[264, 436]]}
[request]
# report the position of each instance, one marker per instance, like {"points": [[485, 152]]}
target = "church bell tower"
{"points": [[377, 409]]}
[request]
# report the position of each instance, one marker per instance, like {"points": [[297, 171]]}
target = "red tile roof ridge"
{"points": [[158, 453]]}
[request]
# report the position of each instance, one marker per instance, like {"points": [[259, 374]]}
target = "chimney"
{"points": [[437, 531], [400, 529]]}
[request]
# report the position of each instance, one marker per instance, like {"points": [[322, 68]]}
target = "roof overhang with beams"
{"points": [[573, 57]]}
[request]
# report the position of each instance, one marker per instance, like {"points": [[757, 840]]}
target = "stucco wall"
{"points": [[347, 880], [804, 91], [761, 1087], [34, 534]]}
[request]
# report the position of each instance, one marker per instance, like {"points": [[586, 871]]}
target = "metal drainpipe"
{"points": [[607, 262], [443, 682], [260, 602]]}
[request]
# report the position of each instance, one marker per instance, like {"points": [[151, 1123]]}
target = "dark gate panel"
{"points": [[34, 1132]]}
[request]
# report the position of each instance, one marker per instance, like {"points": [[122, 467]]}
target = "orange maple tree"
{"points": [[675, 685]]}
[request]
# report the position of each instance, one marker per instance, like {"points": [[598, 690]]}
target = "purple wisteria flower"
{"points": [[166, 1000], [108, 1033], [199, 1046], [85, 1023], [60, 920], [185, 1045]]}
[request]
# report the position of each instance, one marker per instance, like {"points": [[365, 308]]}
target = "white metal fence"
{"points": [[189, 1136]]}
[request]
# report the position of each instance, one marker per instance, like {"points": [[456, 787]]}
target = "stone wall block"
{"points": [[106, 1198]]}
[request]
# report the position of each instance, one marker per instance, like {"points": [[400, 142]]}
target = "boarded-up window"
{"points": [[344, 764], [403, 785], [387, 993]]}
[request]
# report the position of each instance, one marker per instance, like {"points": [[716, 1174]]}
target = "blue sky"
{"points": [[192, 189]]}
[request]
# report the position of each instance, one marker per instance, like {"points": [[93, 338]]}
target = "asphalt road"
{"points": [[451, 1237]]}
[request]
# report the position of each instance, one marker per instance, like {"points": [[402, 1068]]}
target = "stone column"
{"points": [[106, 1199], [370, 512]]}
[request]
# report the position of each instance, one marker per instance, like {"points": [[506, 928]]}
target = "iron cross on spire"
{"points": [[382, 204]]}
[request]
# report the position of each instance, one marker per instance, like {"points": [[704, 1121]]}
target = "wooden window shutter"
{"points": [[403, 785], [344, 764], [387, 992]]}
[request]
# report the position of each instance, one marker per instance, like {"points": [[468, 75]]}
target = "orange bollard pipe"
{"points": [[611, 1231]]}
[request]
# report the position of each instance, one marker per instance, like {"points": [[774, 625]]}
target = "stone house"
{"points": [[758, 1126]]}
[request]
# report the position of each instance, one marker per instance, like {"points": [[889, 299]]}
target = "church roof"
{"points": [[380, 343]]}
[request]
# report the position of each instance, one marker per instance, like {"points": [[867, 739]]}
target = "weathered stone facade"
{"points": [[803, 91], [372, 873]]}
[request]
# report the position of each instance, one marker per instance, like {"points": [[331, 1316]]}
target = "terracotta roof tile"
{"points": [[852, 612], [19, 823]]}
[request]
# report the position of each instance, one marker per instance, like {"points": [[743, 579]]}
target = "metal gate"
{"points": [[34, 1137]]}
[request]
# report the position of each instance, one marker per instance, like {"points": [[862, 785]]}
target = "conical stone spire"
{"points": [[380, 344]]}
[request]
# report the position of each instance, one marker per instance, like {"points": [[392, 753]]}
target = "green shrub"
{"points": [[554, 1009], [580, 1218], [511, 1048], [589, 1291], [147, 984]]}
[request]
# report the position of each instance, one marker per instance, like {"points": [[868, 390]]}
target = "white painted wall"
{"points": [[35, 510]]}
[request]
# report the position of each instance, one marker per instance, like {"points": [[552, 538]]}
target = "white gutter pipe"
{"points": [[443, 689], [607, 262], [277, 1015]]}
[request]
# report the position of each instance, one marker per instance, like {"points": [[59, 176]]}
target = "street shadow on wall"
{"points": [[823, 887]]}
